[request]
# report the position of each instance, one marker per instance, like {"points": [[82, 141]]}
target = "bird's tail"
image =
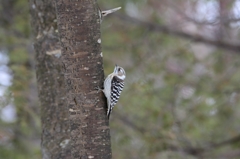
{"points": [[109, 112]]}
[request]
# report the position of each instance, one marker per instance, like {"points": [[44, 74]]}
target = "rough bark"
{"points": [[79, 31], [54, 113]]}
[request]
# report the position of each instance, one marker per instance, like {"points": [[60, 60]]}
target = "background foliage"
{"points": [[181, 96]]}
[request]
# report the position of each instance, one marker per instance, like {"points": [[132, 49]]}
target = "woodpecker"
{"points": [[113, 86], [106, 12]]}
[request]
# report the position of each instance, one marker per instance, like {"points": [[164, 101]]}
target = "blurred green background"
{"points": [[181, 97]]}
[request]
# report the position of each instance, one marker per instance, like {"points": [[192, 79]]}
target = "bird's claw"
{"points": [[98, 89]]}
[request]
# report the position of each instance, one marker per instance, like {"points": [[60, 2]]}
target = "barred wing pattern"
{"points": [[116, 89]]}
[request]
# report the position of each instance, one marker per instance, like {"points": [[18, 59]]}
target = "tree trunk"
{"points": [[51, 84], [73, 114]]}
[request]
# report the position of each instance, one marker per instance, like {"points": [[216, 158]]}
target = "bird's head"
{"points": [[119, 72]]}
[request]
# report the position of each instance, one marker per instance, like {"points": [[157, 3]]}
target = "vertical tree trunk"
{"points": [[224, 9], [73, 114], [79, 30], [50, 79]]}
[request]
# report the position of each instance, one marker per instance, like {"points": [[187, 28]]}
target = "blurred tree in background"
{"points": [[20, 137], [181, 98]]}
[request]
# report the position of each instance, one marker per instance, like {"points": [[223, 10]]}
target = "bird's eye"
{"points": [[119, 69]]}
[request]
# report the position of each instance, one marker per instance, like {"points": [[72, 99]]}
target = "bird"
{"points": [[113, 86]]}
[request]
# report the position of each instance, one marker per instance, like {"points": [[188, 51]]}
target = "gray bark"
{"points": [[73, 113], [51, 84], [79, 29]]}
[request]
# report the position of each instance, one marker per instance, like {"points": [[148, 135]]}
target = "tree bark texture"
{"points": [[79, 31], [50, 80]]}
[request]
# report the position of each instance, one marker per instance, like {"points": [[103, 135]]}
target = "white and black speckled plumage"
{"points": [[113, 86]]}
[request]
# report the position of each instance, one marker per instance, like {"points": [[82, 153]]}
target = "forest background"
{"points": [[181, 97]]}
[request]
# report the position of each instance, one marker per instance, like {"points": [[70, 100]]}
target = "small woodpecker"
{"points": [[113, 86]]}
